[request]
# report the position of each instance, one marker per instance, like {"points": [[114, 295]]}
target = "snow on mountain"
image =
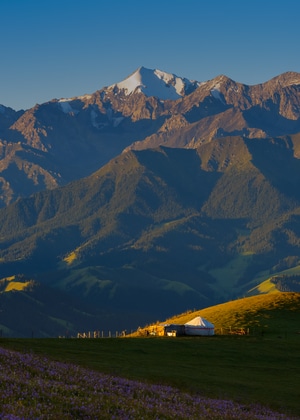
{"points": [[156, 83], [65, 105]]}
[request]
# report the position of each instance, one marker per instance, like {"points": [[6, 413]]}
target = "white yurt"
{"points": [[199, 326]]}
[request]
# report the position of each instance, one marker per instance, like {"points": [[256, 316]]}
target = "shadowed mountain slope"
{"points": [[158, 231]]}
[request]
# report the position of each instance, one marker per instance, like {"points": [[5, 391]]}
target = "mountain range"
{"points": [[146, 198]]}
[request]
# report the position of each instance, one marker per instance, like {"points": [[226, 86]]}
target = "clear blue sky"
{"points": [[64, 48]]}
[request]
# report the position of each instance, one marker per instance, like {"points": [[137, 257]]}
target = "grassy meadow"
{"points": [[250, 370], [260, 368]]}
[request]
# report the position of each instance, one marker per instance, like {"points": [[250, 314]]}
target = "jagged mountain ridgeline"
{"points": [[66, 139], [147, 198]]}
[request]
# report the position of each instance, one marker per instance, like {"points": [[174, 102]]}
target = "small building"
{"points": [[199, 326]]}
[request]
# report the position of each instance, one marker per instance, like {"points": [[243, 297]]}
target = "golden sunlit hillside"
{"points": [[13, 283], [275, 313]]}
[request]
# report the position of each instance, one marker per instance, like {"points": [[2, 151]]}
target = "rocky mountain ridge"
{"points": [[65, 139]]}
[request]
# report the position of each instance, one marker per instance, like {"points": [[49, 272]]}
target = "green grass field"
{"points": [[262, 367], [244, 368]]}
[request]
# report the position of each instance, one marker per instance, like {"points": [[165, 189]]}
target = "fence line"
{"points": [[98, 334]]}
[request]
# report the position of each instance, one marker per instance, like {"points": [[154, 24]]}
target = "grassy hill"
{"points": [[31, 309], [275, 313]]}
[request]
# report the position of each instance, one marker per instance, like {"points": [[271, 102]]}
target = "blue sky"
{"points": [[64, 48]]}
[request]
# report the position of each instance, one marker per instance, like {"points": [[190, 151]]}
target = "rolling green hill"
{"points": [[31, 309], [164, 230], [275, 313]]}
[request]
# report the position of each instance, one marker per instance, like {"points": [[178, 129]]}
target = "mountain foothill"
{"points": [[149, 197]]}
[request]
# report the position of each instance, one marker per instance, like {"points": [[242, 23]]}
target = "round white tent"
{"points": [[199, 326]]}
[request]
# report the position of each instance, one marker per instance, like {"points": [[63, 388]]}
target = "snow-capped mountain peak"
{"points": [[156, 83]]}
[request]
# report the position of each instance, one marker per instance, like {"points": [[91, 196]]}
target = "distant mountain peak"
{"points": [[154, 82], [288, 78]]}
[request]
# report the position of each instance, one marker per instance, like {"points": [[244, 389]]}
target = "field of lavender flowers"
{"points": [[35, 387]]}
